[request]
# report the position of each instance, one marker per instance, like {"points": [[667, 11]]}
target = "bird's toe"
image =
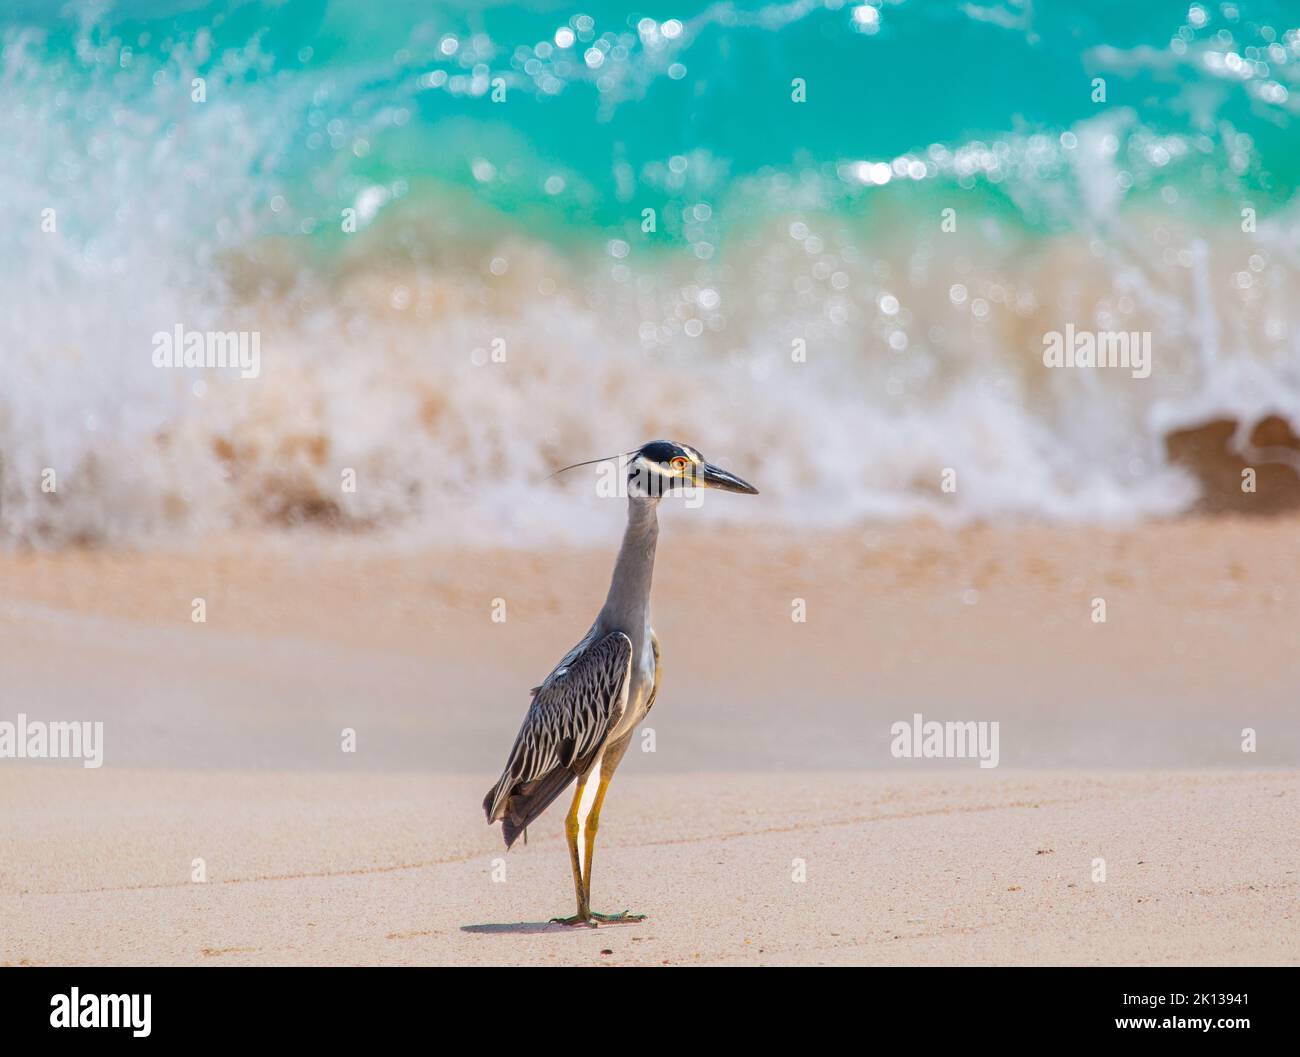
{"points": [[577, 919], [622, 915]]}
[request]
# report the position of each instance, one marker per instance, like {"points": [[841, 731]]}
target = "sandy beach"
{"points": [[342, 332], [1201, 868], [1120, 741]]}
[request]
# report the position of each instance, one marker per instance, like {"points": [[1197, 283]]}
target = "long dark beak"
{"points": [[715, 477]]}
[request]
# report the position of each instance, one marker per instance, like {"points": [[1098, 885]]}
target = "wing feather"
{"points": [[571, 714]]}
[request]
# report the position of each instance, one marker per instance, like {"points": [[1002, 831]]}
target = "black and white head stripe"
{"points": [[665, 451], [658, 456], [654, 459]]}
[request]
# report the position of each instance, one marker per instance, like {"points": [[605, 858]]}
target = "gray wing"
{"points": [[572, 712]]}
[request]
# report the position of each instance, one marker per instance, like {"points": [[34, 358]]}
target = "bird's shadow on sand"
{"points": [[517, 928], [529, 928]]}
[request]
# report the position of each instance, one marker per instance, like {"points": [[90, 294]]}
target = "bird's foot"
{"points": [[622, 915], [578, 919]]}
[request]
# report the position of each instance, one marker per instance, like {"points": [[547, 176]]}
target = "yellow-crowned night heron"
{"points": [[582, 717]]}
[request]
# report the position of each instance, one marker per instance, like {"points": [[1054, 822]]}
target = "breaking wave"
{"points": [[855, 326]]}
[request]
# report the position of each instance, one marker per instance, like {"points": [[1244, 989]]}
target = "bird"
{"points": [[582, 716]]}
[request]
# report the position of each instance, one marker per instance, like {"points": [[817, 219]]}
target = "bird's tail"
{"points": [[517, 806]]}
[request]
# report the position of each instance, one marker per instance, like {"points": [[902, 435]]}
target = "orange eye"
{"points": [[679, 464]]}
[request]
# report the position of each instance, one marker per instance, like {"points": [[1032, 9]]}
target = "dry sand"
{"points": [[1119, 741], [362, 869]]}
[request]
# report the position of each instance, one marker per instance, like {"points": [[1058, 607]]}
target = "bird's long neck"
{"points": [[627, 606]]}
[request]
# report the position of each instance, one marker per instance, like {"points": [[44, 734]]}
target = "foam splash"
{"points": [[453, 351]]}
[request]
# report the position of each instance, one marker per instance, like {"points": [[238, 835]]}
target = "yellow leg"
{"points": [[571, 826], [593, 824]]}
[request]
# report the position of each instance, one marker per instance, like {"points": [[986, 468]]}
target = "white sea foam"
{"points": [[448, 442]]}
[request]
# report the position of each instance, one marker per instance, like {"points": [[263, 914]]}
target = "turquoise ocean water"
{"points": [[435, 217]]}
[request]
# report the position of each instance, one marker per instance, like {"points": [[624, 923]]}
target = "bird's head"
{"points": [[660, 466]]}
